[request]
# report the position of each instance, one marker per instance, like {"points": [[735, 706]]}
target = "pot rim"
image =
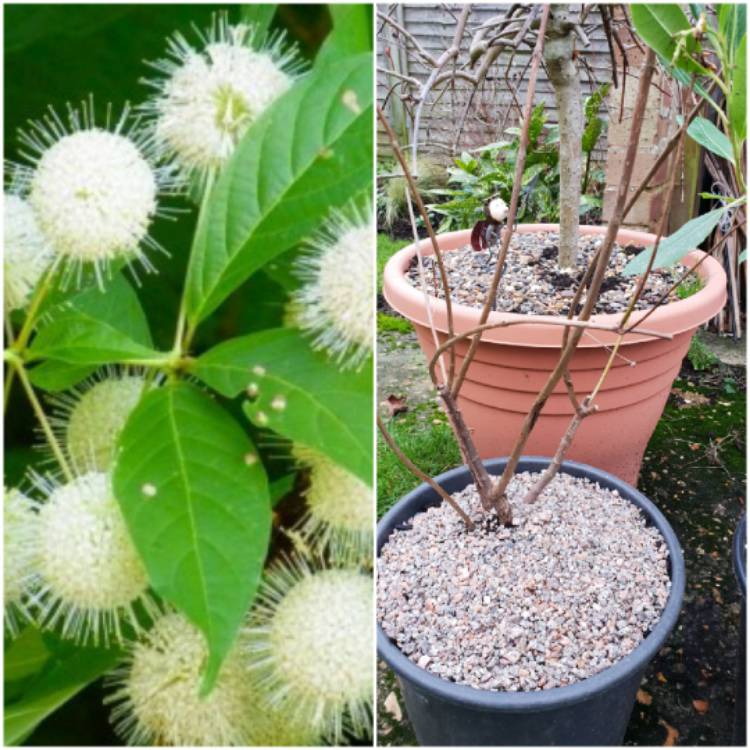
{"points": [[673, 318], [739, 544], [536, 700]]}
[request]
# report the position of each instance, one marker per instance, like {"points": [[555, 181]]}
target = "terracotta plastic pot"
{"points": [[594, 711], [512, 364]]}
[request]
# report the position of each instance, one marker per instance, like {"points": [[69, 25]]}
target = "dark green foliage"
{"points": [[490, 170]]}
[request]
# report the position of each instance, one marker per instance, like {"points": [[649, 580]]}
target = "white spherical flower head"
{"points": [[312, 645], [19, 539], [94, 195], [339, 507], [334, 305], [89, 419], [90, 573], [157, 698], [26, 252], [498, 209], [209, 97], [94, 189]]}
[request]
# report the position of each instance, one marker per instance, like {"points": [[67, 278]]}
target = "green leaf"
{"points": [[96, 327], [308, 154], [259, 16], [196, 501], [743, 256], [732, 25], [673, 249], [657, 25], [685, 79], [705, 133], [531, 172], [54, 376], [591, 134], [25, 655], [737, 106], [58, 682], [325, 409], [351, 33]]}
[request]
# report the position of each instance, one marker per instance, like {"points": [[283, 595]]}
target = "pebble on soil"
{"points": [[573, 587], [533, 284]]}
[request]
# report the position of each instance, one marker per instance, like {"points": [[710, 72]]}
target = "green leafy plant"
{"points": [[690, 286], [142, 534], [490, 170], [700, 356], [702, 54]]}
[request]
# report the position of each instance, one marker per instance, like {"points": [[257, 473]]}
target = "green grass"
{"points": [[431, 446], [392, 323], [386, 248]]}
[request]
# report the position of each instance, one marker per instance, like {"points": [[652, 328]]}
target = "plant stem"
{"points": [[184, 332], [9, 372], [602, 263], [419, 474], [536, 59], [43, 421], [28, 325], [10, 375]]}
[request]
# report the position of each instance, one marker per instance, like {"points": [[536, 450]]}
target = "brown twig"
{"points": [[608, 32], [550, 472], [588, 406], [581, 325], [513, 208], [419, 474], [430, 231], [598, 276], [666, 151]]}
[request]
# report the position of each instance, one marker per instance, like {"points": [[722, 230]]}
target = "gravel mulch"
{"points": [[572, 588], [532, 282]]}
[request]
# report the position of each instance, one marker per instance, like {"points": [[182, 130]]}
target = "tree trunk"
{"points": [[559, 49]]}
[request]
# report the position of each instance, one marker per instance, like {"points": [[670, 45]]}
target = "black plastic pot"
{"points": [[739, 560], [594, 711]]}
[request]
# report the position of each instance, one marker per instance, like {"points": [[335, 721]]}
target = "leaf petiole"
{"points": [[49, 434]]}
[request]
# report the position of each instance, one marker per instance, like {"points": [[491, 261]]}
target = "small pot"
{"points": [[512, 363], [739, 560], [594, 711]]}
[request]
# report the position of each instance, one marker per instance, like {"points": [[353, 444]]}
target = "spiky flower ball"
{"points": [[334, 304], [339, 507], [26, 252], [19, 539], [157, 698], [90, 575], [274, 726], [311, 646], [93, 190], [209, 97], [88, 420]]}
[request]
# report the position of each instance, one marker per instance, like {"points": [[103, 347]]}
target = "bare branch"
{"points": [[513, 208], [419, 474], [598, 276]]}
